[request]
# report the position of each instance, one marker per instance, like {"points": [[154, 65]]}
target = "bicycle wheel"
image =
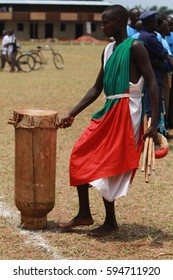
{"points": [[38, 61], [58, 61], [26, 62]]}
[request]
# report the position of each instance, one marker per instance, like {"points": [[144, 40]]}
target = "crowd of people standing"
{"points": [[155, 30], [9, 50]]}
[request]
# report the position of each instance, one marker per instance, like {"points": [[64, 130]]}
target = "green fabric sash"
{"points": [[116, 75]]}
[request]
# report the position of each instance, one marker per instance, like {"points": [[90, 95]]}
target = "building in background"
{"points": [[63, 20]]}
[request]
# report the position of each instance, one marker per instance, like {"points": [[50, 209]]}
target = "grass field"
{"points": [[145, 216]]}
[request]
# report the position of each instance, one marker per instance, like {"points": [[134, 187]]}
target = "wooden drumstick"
{"points": [[150, 151], [145, 154], [146, 174], [153, 158]]}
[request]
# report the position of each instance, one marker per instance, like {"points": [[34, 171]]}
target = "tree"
{"points": [[163, 10]]}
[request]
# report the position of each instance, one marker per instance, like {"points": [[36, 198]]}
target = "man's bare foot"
{"points": [[104, 230], [77, 221]]}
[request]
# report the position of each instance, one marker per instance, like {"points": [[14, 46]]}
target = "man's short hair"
{"points": [[118, 10]]}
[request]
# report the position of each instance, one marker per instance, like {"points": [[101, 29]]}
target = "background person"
{"points": [[169, 39], [138, 26], [157, 54], [133, 17], [164, 30], [12, 51], [5, 40]]}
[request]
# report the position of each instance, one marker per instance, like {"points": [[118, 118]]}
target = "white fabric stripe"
{"points": [[123, 95], [108, 51]]}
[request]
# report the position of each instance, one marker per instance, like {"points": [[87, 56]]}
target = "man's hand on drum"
{"points": [[66, 122]]}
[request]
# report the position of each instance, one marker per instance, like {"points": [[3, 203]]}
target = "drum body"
{"points": [[35, 165]]}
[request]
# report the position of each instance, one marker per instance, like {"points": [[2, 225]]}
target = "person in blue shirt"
{"points": [[138, 27], [134, 17], [164, 29], [169, 39], [157, 54]]}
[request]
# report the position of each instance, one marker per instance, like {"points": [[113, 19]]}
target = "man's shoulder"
{"points": [[171, 34], [170, 37], [5, 39], [145, 34], [130, 30], [137, 43], [138, 47], [148, 38], [129, 27]]}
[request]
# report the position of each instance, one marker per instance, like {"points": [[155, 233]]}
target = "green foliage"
{"points": [[162, 9]]}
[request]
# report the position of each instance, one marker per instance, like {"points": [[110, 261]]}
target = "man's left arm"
{"points": [[142, 59]]}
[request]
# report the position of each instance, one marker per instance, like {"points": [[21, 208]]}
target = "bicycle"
{"points": [[25, 61], [40, 60]]}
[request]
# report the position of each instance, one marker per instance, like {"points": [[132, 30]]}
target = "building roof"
{"points": [[57, 2]]}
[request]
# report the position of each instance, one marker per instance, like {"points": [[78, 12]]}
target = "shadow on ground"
{"points": [[126, 233]]}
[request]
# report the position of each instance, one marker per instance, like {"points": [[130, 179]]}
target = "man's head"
{"points": [[170, 21], [4, 32], [11, 32], [114, 20], [138, 25], [149, 20], [163, 26], [134, 15]]}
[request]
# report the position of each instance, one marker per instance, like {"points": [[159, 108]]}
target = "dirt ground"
{"points": [[145, 215]]}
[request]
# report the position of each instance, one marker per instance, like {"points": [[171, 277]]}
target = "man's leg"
{"points": [[13, 61], [16, 63], [3, 60], [83, 217], [110, 223]]}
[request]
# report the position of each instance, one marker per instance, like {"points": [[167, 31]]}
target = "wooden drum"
{"points": [[35, 165]]}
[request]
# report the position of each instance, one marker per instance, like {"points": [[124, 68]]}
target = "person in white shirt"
{"points": [[12, 51], [4, 49]]}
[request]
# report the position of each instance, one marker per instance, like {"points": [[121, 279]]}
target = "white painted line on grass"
{"points": [[32, 237]]}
